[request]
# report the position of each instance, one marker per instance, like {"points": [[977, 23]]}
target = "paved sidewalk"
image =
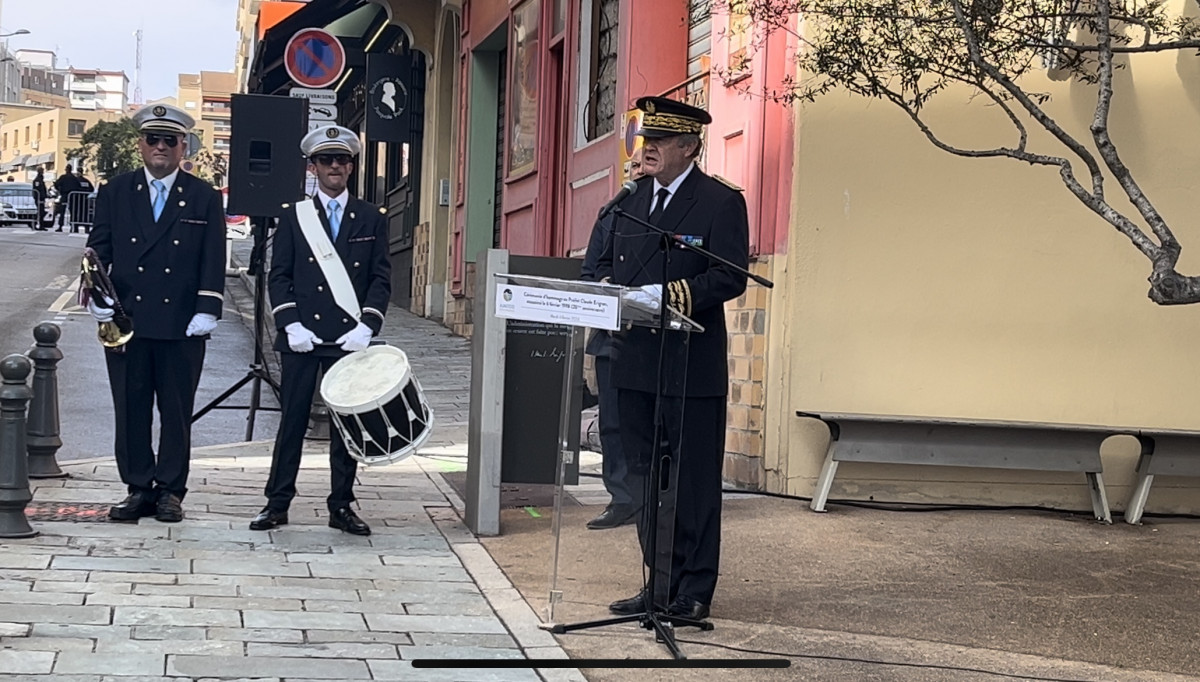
{"points": [[90, 600]]}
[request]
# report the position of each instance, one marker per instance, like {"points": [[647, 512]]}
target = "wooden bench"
{"points": [[882, 439], [1164, 453]]}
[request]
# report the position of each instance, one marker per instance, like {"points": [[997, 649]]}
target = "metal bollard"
{"points": [[42, 427], [14, 474]]}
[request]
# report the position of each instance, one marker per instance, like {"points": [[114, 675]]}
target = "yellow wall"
{"points": [[919, 283]]}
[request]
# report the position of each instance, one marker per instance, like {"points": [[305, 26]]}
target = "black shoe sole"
{"points": [[130, 515]]}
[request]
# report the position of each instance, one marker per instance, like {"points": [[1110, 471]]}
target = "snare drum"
{"points": [[377, 405]]}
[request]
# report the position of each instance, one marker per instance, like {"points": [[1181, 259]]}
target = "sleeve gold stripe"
{"points": [[373, 312], [284, 306], [215, 294]]}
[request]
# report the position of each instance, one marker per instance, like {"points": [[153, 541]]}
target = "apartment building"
{"points": [[254, 17], [97, 90], [42, 137], [206, 97]]}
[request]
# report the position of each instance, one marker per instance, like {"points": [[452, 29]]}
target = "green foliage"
{"points": [[109, 148]]}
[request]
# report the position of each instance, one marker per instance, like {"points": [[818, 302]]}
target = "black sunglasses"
{"points": [[153, 140], [328, 159]]}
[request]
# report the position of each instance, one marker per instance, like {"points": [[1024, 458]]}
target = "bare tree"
{"points": [[907, 51]]}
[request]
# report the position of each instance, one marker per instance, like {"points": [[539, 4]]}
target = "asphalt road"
{"points": [[38, 279]]}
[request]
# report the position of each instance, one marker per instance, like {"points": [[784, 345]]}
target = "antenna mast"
{"points": [[137, 73]]}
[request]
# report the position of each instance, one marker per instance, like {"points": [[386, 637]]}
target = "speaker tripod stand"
{"points": [[257, 374]]}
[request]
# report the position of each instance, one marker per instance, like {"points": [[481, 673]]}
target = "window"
{"points": [[4, 144], [600, 100], [26, 134], [75, 127], [51, 130], [39, 131], [189, 105]]}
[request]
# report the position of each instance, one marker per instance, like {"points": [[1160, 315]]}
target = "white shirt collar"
{"points": [[341, 199], [167, 182], [674, 186]]}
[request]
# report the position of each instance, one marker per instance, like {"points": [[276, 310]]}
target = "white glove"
{"points": [[356, 339], [202, 324], [646, 297], [101, 314], [300, 338]]}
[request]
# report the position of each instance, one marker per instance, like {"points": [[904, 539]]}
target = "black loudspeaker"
{"points": [[266, 166]]}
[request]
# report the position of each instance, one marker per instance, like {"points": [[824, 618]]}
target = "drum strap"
{"points": [[331, 264]]}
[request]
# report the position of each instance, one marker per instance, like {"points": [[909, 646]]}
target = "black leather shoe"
{"points": [[631, 606], [686, 607], [613, 517], [170, 508], [133, 507], [269, 518], [345, 519]]}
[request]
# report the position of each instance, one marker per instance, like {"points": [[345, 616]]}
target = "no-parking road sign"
{"points": [[314, 58]]}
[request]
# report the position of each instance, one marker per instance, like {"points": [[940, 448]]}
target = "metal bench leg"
{"points": [[825, 480], [1099, 497], [1141, 491]]}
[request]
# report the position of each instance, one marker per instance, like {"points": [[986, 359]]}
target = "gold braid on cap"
{"points": [[672, 122]]}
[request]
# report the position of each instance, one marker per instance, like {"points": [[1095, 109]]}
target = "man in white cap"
{"points": [[324, 308], [161, 232]]}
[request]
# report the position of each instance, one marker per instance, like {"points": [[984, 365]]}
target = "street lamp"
{"points": [[18, 32]]}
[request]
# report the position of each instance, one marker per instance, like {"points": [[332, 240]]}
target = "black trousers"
{"points": [[150, 371], [615, 469], [695, 438], [297, 385]]}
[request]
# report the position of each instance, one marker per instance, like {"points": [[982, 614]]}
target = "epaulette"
{"points": [[727, 183], [383, 210]]}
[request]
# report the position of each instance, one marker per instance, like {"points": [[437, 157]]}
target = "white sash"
{"points": [[331, 264]]}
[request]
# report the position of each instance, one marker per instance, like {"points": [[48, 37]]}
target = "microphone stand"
{"points": [[652, 618]]}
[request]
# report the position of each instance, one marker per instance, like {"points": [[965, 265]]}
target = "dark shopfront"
{"points": [[388, 118]]}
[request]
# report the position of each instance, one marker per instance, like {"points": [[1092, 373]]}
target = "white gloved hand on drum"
{"points": [[99, 313], [356, 339], [301, 338]]}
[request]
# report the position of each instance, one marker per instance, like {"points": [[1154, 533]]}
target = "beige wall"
{"points": [[57, 143], [918, 283]]}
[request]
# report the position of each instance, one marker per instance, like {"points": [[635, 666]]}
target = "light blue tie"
{"points": [[160, 198], [335, 218]]}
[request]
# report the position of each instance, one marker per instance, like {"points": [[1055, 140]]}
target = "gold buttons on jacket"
{"points": [[311, 259], [320, 288], [133, 240], [166, 300], [356, 264], [316, 316], [137, 298], [345, 320], [167, 270], [141, 269], [176, 242]]}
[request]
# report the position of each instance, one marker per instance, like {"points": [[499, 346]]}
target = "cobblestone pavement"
{"points": [[90, 600]]}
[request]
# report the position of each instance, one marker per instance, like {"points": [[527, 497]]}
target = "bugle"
{"points": [[95, 284]]}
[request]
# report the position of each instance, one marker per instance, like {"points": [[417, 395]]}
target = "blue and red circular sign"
{"points": [[314, 58]]}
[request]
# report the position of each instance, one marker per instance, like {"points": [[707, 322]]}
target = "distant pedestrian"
{"points": [[63, 185], [39, 193]]}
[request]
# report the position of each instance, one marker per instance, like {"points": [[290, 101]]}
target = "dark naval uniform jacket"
{"points": [[710, 214], [167, 271], [299, 291]]}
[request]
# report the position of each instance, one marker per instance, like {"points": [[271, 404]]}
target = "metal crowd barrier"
{"points": [[81, 207]]}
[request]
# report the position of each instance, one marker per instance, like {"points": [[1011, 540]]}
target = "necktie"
{"points": [[160, 198], [335, 218], [660, 204]]}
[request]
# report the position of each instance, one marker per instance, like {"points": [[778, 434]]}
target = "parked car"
{"points": [[18, 204]]}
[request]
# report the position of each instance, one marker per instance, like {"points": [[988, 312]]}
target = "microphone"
{"points": [[628, 188]]}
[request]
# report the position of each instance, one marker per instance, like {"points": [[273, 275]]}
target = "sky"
{"points": [[178, 36]]}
